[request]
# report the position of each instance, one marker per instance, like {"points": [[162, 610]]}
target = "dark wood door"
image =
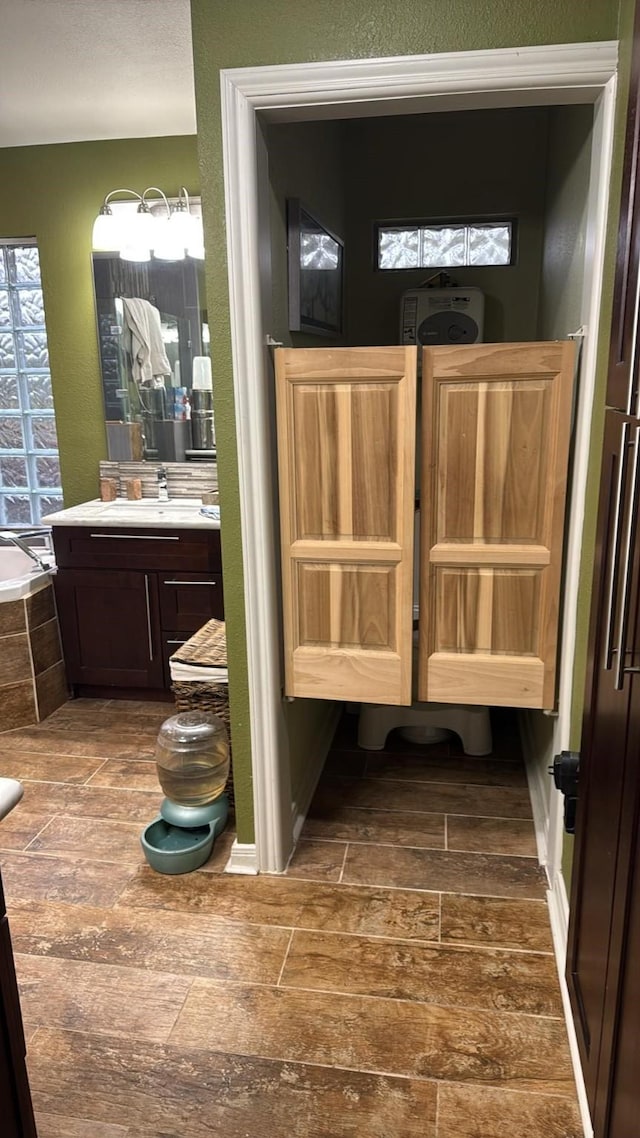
{"points": [[604, 929], [604, 744], [625, 1068], [623, 377], [110, 627]]}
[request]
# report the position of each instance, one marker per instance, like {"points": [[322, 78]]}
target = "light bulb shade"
{"points": [[136, 231], [181, 233], [196, 251], [139, 253], [169, 245], [139, 237], [106, 237]]}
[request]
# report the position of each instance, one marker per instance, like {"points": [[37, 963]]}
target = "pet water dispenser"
{"points": [[192, 759]]}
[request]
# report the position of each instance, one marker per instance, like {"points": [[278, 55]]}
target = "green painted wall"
{"points": [[242, 35], [465, 164], [306, 160], [53, 193], [565, 221], [561, 290]]}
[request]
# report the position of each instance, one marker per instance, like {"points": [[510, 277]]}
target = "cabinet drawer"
{"points": [[189, 600], [95, 547]]}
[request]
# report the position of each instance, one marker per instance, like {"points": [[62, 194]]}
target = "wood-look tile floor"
{"points": [[397, 982]]}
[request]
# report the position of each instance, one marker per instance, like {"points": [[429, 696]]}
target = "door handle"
{"points": [[615, 547], [621, 649], [189, 582], [149, 628], [135, 536]]}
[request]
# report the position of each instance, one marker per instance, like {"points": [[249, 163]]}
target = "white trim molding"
{"points": [[283, 92], [523, 76], [243, 858], [559, 918]]}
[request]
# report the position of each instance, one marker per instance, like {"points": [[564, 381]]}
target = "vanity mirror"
{"points": [[153, 340]]}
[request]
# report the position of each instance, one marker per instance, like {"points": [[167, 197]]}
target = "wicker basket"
{"points": [[206, 648]]}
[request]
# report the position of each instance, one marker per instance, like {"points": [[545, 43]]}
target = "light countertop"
{"points": [[11, 792], [147, 513]]}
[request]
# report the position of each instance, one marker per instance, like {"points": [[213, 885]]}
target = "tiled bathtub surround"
{"points": [[32, 676]]}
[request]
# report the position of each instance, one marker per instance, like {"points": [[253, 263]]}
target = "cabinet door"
{"points": [[346, 453], [495, 441], [110, 627]]}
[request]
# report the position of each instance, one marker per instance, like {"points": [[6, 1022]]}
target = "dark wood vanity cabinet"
{"points": [[15, 1096], [128, 598]]}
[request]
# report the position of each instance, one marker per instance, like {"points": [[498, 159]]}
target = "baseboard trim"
{"points": [[538, 789], [300, 807], [559, 917], [243, 858]]}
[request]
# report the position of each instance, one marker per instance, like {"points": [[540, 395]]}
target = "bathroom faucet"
{"points": [[163, 492], [12, 539]]}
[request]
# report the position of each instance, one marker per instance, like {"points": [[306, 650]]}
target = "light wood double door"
{"points": [[494, 432]]}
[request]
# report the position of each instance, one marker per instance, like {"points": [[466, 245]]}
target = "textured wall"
{"points": [[305, 161], [239, 35], [568, 173], [53, 193], [467, 164]]}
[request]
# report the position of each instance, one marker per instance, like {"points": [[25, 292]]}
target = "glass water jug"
{"points": [[192, 758]]}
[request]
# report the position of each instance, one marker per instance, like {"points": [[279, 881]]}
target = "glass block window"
{"points": [[445, 245], [29, 466]]}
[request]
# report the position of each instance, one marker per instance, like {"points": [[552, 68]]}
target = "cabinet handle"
{"points": [[175, 641], [628, 558], [149, 630], [615, 548], [190, 582], [135, 536]]}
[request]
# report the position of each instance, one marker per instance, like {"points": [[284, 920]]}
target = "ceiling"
{"points": [[75, 70]]}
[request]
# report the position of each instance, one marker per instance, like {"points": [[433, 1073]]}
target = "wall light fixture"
{"points": [[145, 226]]}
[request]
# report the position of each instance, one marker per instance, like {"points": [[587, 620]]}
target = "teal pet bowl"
{"points": [[175, 849]]}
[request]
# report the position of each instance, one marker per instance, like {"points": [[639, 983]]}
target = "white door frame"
{"points": [[527, 76]]}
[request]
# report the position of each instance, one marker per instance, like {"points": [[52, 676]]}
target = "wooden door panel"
{"points": [[346, 452], [493, 445], [508, 681], [596, 872], [345, 461], [344, 606], [485, 610], [495, 440]]}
